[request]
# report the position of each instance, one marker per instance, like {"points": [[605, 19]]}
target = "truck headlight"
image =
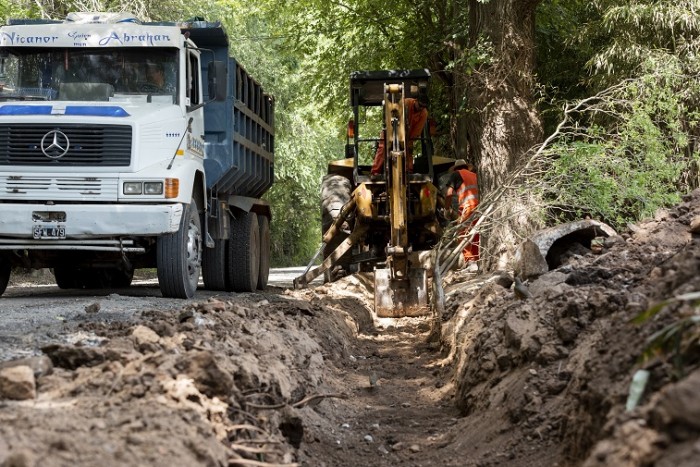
{"points": [[153, 188], [143, 188], [133, 188]]}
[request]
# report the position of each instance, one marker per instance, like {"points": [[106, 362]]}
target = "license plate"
{"points": [[49, 231]]}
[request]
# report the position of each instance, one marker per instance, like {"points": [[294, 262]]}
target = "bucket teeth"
{"points": [[395, 298]]}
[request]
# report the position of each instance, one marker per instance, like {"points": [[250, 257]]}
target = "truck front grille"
{"points": [[87, 145], [59, 188]]}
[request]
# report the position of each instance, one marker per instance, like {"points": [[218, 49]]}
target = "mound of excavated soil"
{"points": [[311, 378], [544, 381], [214, 384]]}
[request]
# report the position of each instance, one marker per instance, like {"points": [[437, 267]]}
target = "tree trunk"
{"points": [[459, 135], [502, 122]]}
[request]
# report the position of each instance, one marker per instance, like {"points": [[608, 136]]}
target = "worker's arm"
{"points": [[450, 204], [448, 197]]}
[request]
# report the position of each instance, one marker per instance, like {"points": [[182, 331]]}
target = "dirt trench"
{"points": [[276, 378], [310, 378]]}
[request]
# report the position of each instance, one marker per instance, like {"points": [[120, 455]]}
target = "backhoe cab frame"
{"points": [[367, 89]]}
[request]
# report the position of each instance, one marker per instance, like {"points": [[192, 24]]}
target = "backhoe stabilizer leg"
{"points": [[331, 260], [396, 298]]}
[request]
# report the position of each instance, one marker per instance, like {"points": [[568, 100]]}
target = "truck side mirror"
{"points": [[216, 72]]}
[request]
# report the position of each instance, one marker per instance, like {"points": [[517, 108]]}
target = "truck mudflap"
{"points": [[397, 298]]}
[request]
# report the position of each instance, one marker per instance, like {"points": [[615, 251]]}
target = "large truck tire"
{"points": [[93, 278], [244, 254], [264, 270], [5, 271], [179, 256], [68, 277], [336, 190], [215, 267]]}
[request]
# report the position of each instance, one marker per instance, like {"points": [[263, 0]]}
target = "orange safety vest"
{"points": [[467, 194], [416, 122]]}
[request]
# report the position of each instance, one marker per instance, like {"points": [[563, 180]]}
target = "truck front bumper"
{"points": [[18, 222]]}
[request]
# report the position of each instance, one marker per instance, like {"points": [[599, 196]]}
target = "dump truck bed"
{"points": [[240, 130]]}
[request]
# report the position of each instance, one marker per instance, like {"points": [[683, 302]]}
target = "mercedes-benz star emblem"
{"points": [[55, 144]]}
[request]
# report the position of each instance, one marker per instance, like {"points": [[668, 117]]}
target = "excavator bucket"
{"points": [[396, 298]]}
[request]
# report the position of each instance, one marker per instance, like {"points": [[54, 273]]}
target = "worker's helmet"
{"points": [[459, 163], [462, 164]]}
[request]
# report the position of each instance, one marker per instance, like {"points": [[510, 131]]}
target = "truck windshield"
{"points": [[143, 74]]}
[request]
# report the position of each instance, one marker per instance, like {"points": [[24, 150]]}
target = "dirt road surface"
{"points": [[310, 377]]}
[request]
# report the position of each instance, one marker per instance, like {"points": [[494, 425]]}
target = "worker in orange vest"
{"points": [[463, 182], [417, 116]]}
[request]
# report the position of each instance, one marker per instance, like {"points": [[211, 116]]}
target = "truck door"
{"points": [[194, 93]]}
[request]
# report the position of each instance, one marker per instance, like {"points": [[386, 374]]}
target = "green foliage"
{"points": [[632, 148], [13, 9], [299, 164], [330, 39], [640, 28], [678, 338], [623, 155], [562, 54]]}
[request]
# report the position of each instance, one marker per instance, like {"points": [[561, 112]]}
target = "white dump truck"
{"points": [[128, 144]]}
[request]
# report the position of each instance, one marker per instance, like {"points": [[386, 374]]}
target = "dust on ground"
{"points": [[311, 378]]}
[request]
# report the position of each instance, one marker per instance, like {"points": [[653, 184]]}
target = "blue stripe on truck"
{"points": [[109, 111], [88, 110], [25, 110]]}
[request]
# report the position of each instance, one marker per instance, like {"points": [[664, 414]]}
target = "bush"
{"points": [[626, 152]]}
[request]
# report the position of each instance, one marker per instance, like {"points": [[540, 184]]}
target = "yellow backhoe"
{"points": [[385, 223]]}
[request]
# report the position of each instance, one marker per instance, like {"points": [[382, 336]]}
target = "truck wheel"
{"points": [[336, 190], [179, 256], [93, 278], [244, 256], [68, 278], [5, 271], [264, 272], [214, 267]]}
